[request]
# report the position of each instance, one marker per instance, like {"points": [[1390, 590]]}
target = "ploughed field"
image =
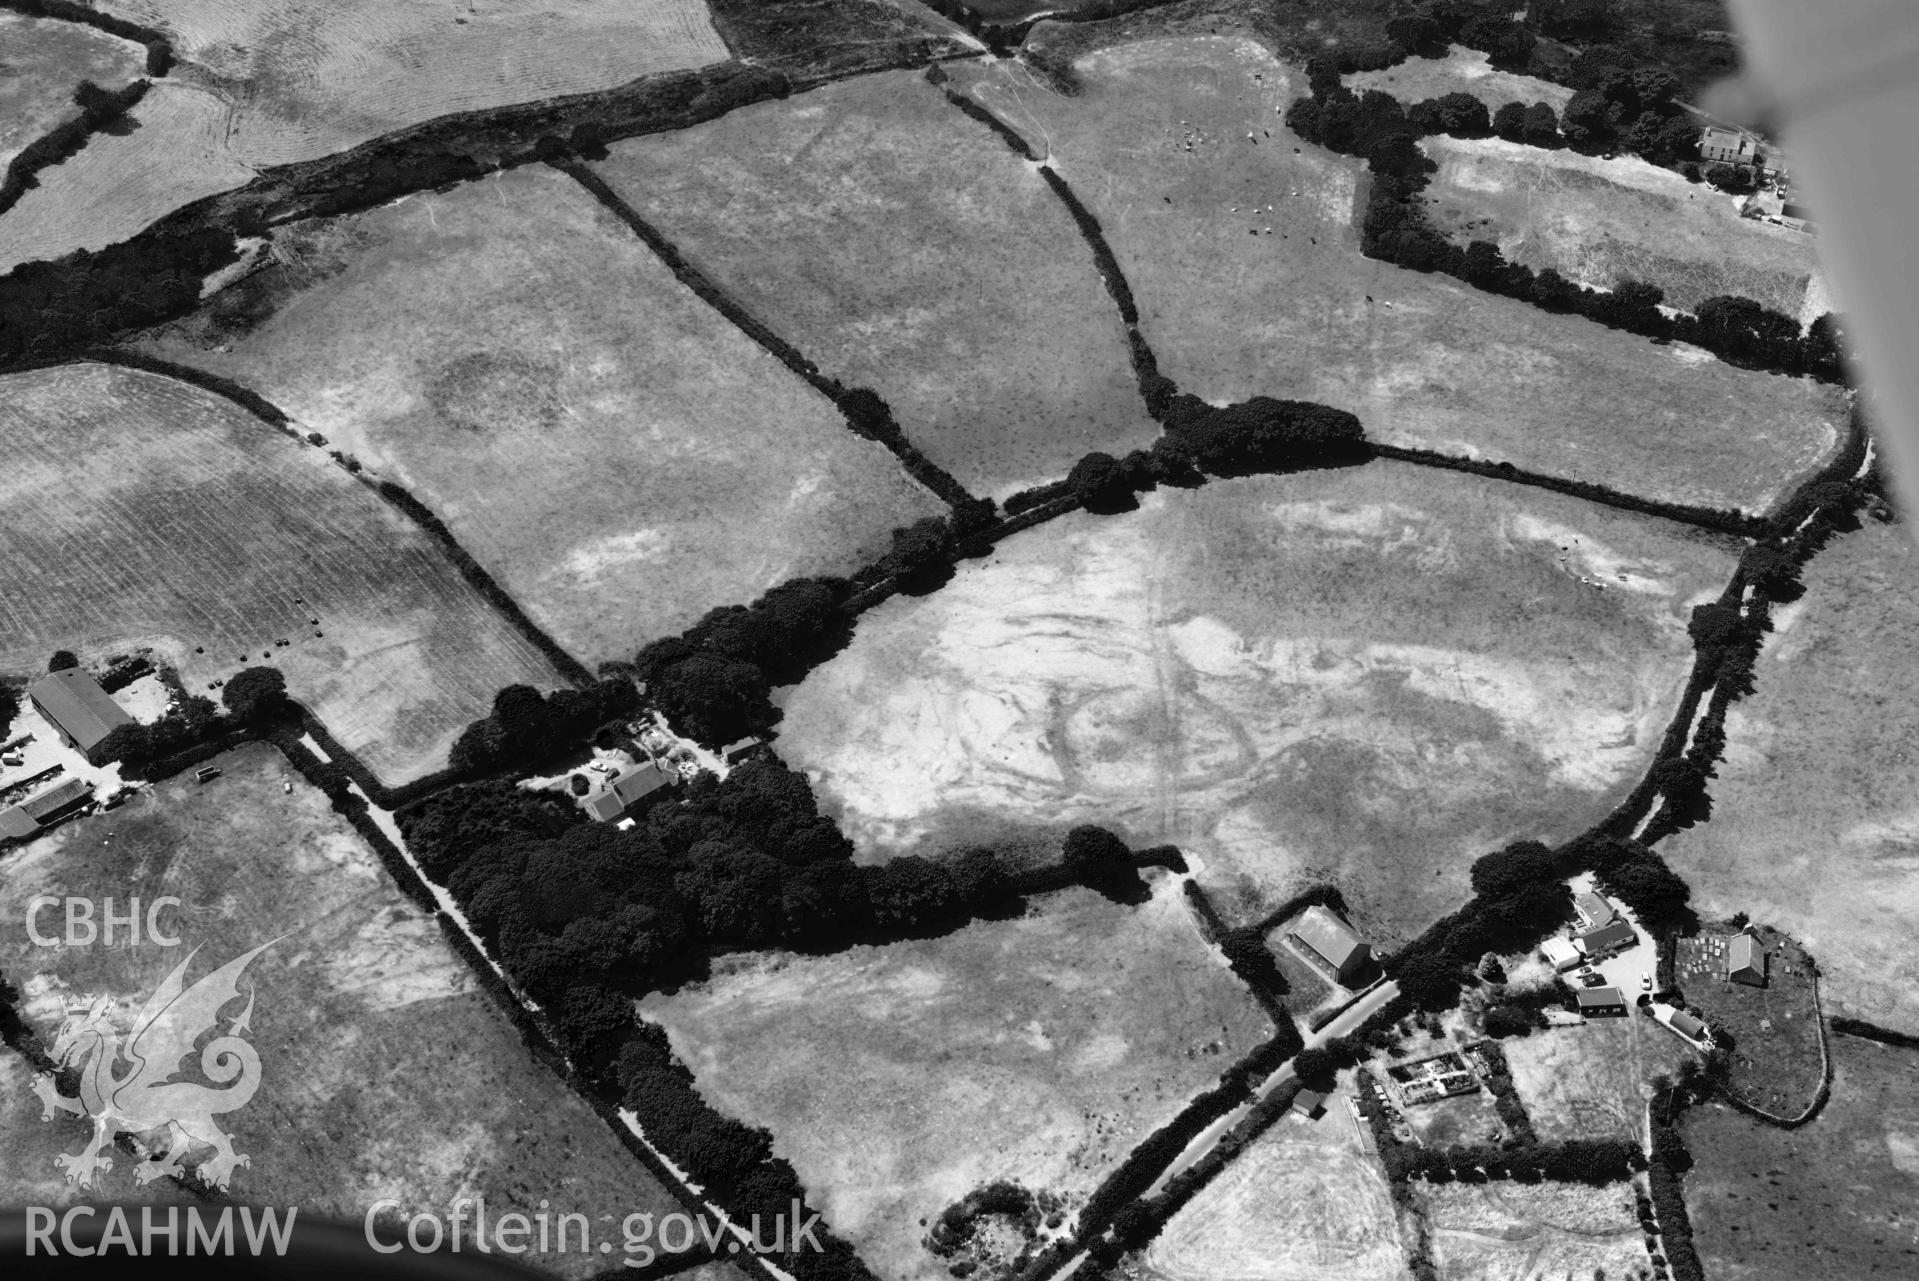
{"points": [[265, 84], [614, 451], [1369, 676], [1241, 245], [136, 510], [902, 246], [1815, 824], [385, 1072], [1599, 222], [42, 61], [1306, 1201], [897, 1079]]}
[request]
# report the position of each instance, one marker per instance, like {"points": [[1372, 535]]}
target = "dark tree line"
{"points": [[1377, 128], [99, 108], [1519, 898], [714, 681], [585, 917], [745, 864], [48, 309], [526, 727]]}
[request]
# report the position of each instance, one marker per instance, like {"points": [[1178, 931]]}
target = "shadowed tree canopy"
{"points": [[256, 693]]}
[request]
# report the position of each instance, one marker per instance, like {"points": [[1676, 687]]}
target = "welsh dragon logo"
{"points": [[143, 1098]]}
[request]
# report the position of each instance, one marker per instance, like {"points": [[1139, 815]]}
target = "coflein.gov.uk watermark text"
{"points": [[642, 1237]]}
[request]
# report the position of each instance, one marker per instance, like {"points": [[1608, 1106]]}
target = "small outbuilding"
{"points": [[1561, 954], [1600, 1002], [74, 704], [1746, 961], [1310, 1104], [1687, 1026]]}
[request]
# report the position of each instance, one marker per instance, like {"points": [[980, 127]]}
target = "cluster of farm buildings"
{"points": [[81, 715]]}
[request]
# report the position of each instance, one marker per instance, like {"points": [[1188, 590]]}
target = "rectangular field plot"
{"points": [[1306, 1202], [384, 1072], [1814, 812], [1241, 244], [42, 61], [898, 1079], [1506, 1231], [1366, 678], [136, 510], [1592, 1082], [902, 246], [1602, 221], [614, 451], [1833, 1199]]}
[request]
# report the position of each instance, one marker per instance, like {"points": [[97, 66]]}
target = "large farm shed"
{"points": [[75, 705], [1333, 941]]}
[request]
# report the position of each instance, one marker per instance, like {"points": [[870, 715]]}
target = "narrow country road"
{"points": [[1360, 1011]]}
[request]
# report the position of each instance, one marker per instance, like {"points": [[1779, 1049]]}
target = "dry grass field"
{"points": [[311, 77], [1600, 221], [1815, 826], [902, 246], [1462, 70], [121, 182], [615, 452], [1306, 1202], [1509, 1231], [135, 510], [1592, 1082], [1833, 1201], [897, 1079], [1368, 677], [42, 62], [385, 1071], [1241, 245]]}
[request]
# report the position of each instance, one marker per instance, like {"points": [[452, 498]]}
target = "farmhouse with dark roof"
{"points": [[75, 705], [1613, 937], [623, 791], [1600, 1002]]}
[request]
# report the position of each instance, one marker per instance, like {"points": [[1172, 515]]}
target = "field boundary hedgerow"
{"points": [[1738, 524], [396, 496], [538, 1038], [1865, 1031], [1380, 130], [866, 414], [66, 140]]}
